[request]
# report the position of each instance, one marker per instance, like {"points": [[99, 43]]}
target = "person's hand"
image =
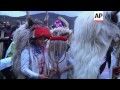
{"points": [[60, 70], [54, 71], [116, 70], [43, 76], [64, 69]]}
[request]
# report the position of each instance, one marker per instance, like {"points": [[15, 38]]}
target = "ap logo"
{"points": [[98, 16]]}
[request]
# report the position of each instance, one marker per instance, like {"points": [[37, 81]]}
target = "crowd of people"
{"points": [[36, 51]]}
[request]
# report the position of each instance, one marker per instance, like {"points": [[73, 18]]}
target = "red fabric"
{"points": [[42, 64], [63, 38], [42, 31]]}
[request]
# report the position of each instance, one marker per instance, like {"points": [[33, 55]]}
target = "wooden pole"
{"points": [[1, 44]]}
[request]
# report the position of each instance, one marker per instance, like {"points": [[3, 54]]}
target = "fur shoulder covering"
{"points": [[21, 39]]}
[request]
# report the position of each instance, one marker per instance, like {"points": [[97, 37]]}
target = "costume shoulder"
{"points": [[26, 50]]}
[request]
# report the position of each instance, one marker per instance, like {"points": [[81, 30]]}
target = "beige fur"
{"points": [[61, 30]]}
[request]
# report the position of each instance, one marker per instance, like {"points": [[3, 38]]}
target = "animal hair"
{"points": [[91, 41], [57, 47], [21, 40]]}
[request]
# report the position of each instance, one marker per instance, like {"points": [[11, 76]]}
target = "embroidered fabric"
{"points": [[37, 51]]}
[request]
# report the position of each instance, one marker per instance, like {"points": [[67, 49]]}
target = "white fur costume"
{"points": [[58, 32], [91, 42]]}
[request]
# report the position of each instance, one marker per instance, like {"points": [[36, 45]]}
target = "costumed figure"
{"points": [[116, 58], [91, 43], [58, 52], [29, 58]]}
